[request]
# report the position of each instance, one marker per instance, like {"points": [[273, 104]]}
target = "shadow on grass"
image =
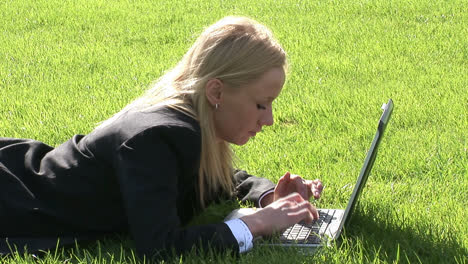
{"points": [[365, 240], [394, 244], [121, 248]]}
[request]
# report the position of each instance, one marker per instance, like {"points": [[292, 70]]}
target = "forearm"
{"points": [[251, 188], [163, 244]]}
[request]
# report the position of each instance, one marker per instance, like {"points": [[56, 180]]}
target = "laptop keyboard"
{"points": [[312, 233]]}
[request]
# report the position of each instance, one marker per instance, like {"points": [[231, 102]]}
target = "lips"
{"points": [[253, 133]]}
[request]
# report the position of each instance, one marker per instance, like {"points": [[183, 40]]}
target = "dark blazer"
{"points": [[138, 175]]}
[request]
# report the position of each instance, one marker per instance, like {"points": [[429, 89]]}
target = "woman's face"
{"points": [[243, 112]]}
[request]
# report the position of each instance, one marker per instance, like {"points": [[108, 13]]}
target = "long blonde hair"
{"points": [[236, 50]]}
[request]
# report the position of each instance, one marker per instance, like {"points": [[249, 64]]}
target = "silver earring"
{"points": [[216, 106]]}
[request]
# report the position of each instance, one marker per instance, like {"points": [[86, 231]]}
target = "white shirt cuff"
{"points": [[263, 195], [242, 234]]}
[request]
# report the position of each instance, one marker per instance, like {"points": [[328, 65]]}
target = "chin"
{"points": [[239, 141], [242, 141]]}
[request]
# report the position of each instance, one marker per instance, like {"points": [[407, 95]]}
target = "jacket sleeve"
{"points": [[250, 188], [149, 170]]}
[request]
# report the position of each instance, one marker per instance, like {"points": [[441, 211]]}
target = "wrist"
{"points": [[267, 199], [254, 225]]}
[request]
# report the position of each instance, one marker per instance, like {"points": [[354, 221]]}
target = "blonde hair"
{"points": [[236, 50]]}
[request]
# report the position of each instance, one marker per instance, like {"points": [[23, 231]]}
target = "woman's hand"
{"points": [[290, 183], [280, 214]]}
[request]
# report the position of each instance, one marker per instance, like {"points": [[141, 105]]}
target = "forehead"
{"points": [[269, 85]]}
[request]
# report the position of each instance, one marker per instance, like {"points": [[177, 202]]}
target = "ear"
{"points": [[213, 91]]}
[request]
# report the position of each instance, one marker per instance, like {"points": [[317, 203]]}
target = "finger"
{"points": [[299, 209], [312, 210], [288, 203], [302, 214], [281, 186], [293, 197], [318, 184], [316, 192], [285, 178], [301, 186], [316, 188], [310, 188]]}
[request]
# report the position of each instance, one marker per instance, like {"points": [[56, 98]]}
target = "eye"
{"points": [[261, 107]]}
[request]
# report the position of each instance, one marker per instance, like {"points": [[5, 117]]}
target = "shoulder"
{"points": [[162, 118], [167, 124], [162, 136], [176, 135]]}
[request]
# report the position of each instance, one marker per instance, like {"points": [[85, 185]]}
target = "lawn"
{"points": [[67, 65]]}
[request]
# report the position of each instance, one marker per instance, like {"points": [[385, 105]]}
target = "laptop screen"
{"points": [[368, 162]]}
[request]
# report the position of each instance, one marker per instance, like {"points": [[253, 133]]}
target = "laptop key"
{"points": [[313, 239]]}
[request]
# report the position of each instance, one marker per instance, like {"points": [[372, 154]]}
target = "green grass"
{"points": [[66, 65]]}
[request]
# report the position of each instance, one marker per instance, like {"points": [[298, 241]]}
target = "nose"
{"points": [[267, 118]]}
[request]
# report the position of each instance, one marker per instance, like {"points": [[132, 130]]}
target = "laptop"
{"points": [[329, 226]]}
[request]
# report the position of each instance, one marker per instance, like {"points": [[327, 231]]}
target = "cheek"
{"points": [[235, 121], [246, 118], [253, 116], [227, 126], [236, 126]]}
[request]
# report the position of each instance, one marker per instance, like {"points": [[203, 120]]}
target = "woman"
{"points": [[154, 165]]}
